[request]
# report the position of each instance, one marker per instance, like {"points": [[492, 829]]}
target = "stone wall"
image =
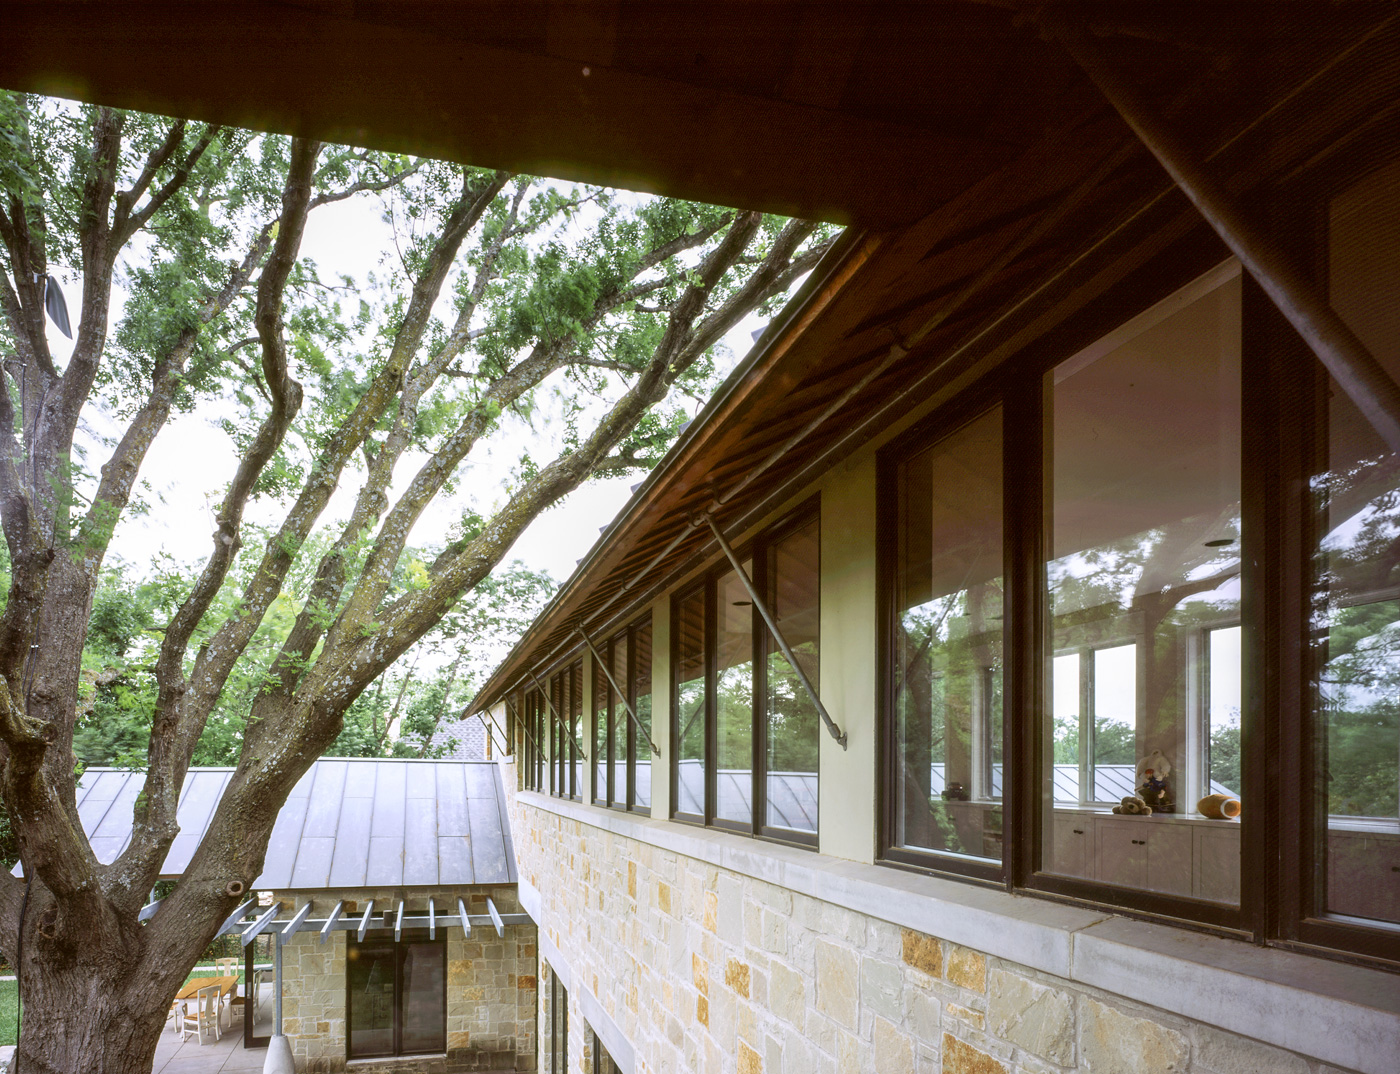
{"points": [[491, 987], [703, 969]]}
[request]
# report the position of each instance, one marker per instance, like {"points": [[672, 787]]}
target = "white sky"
{"points": [[192, 460]]}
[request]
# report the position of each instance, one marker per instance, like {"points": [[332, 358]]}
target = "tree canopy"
{"points": [[507, 310]]}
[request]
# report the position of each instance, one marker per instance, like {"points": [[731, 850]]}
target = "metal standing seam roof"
{"points": [[346, 824]]}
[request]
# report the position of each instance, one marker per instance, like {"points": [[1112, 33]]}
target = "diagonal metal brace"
{"points": [[557, 714], [762, 606], [523, 725], [621, 693]]}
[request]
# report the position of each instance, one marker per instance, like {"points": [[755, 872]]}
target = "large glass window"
{"points": [[558, 1025], [563, 715], [619, 747], [791, 725], [948, 768], [746, 728], [1143, 594], [692, 694], [1356, 610], [396, 997]]}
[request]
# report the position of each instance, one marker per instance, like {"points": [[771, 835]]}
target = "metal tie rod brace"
{"points": [[556, 713], [762, 606], [621, 693]]}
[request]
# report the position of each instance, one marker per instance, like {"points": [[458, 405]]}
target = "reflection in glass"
{"points": [[1143, 489], [1356, 609], [949, 644], [600, 734], [369, 969], [1225, 696], [641, 693], [690, 703], [579, 787], [734, 698], [617, 715], [790, 789], [424, 980]]}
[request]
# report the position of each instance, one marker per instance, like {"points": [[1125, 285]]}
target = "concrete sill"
{"points": [[1342, 1014], [391, 1060]]}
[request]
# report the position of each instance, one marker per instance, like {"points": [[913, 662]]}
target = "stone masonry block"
{"points": [[736, 976], [959, 1057], [1226, 1053], [881, 987], [837, 986], [1111, 1041], [1032, 1016], [922, 952], [966, 969], [893, 1052]]}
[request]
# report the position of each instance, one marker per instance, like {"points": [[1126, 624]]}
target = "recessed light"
{"points": [[1220, 542], [743, 604]]}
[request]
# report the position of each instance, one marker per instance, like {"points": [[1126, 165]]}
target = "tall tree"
{"points": [[503, 290]]}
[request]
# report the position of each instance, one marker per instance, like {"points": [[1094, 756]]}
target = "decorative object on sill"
{"points": [[1152, 773], [1133, 806], [1219, 807], [956, 792]]}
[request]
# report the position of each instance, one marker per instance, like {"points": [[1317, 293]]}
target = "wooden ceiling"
{"points": [[866, 113]]}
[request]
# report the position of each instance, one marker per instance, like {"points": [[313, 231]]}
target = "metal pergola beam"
{"points": [[496, 918], [621, 693], [330, 924], [762, 606], [295, 924], [1364, 380], [260, 925], [230, 922], [466, 921], [364, 921], [493, 918]]}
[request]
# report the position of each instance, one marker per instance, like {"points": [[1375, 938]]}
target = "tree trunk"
{"points": [[89, 1013]]}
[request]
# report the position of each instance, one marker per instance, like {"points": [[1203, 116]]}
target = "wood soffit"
{"points": [[881, 286]]}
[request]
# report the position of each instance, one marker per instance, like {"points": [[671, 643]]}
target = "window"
{"points": [[396, 997], [622, 754], [602, 1061], [558, 1025], [1143, 450], [947, 761], [1353, 826], [533, 749], [746, 730], [564, 713]]}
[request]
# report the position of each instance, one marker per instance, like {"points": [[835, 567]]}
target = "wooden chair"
{"points": [[200, 1016]]}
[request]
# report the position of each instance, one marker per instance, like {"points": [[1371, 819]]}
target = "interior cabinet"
{"points": [[1215, 864], [1070, 844], [1188, 856], [1363, 874]]}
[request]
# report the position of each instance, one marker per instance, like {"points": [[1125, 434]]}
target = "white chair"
{"points": [[200, 1016]]}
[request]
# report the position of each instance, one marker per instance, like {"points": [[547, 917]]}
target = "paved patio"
{"points": [[174, 1056]]}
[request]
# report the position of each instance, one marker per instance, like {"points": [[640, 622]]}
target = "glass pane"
{"points": [[618, 742], [1357, 613], [690, 703], [1226, 696], [579, 788], [1115, 722], [369, 976], [791, 751], [1143, 468], [734, 698], [424, 977], [641, 692], [949, 644], [600, 733], [1064, 709]]}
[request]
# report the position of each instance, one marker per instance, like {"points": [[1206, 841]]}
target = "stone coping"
{"points": [[1341, 1014]]}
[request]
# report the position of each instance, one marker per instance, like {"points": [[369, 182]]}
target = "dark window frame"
{"points": [[558, 1024], [755, 552], [1282, 842], [386, 936]]}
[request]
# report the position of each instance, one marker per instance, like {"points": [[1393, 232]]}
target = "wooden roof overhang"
{"points": [[872, 113], [891, 318]]}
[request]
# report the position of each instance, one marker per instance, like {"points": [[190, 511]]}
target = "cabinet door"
{"points": [[1070, 847], [1217, 862], [1363, 874], [1169, 859], [1122, 846]]}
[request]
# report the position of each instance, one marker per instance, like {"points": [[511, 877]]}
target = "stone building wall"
{"points": [[491, 986], [704, 969]]}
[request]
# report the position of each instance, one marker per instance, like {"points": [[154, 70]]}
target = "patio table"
{"points": [[227, 987]]}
